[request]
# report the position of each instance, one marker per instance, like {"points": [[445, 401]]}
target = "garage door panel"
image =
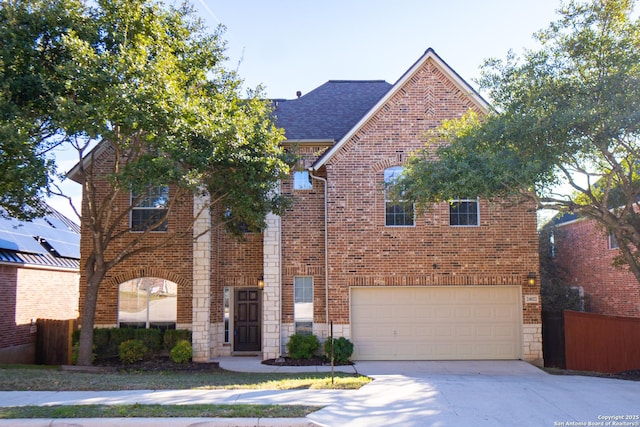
{"points": [[434, 323]]}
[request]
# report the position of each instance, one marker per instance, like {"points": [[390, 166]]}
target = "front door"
{"points": [[247, 326]]}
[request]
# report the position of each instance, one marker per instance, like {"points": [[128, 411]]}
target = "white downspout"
{"points": [[326, 251]]}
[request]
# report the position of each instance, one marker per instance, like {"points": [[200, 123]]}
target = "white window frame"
{"points": [[158, 197], [226, 314], [302, 180], [303, 304], [390, 175], [476, 201], [613, 242]]}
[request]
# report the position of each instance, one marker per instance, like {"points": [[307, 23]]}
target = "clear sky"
{"points": [[297, 45], [290, 45]]}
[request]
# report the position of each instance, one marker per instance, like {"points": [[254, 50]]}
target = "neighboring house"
{"points": [[450, 283], [38, 279], [584, 253]]}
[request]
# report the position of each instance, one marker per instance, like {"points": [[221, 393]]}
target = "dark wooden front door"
{"points": [[247, 326]]}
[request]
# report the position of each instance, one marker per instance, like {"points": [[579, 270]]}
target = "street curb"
{"points": [[159, 422]]}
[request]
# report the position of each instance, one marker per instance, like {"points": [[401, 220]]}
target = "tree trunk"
{"points": [[85, 353]]}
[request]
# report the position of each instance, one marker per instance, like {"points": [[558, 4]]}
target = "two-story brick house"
{"points": [[585, 254], [450, 283]]}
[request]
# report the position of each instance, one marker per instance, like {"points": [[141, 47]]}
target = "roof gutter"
{"points": [[326, 250]]}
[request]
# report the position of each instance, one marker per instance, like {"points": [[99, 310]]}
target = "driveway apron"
{"points": [[505, 393]]}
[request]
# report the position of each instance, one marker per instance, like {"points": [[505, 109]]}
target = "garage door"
{"points": [[436, 323]]}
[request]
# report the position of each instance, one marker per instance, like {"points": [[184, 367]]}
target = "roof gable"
{"points": [[429, 55]]}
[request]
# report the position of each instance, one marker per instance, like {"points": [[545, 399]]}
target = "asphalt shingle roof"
{"points": [[329, 111]]}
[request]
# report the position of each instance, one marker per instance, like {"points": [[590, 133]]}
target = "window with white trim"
{"points": [[613, 242], [148, 302], [302, 180], [149, 208], [303, 304], [226, 303], [464, 212], [397, 213]]}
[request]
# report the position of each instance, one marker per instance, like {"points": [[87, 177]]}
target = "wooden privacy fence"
{"points": [[595, 342], [53, 341], [553, 339]]}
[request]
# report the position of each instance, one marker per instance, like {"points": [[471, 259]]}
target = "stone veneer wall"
{"points": [[532, 343], [271, 315], [201, 306]]}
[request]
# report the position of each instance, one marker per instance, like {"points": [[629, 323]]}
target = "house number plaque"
{"points": [[531, 299]]}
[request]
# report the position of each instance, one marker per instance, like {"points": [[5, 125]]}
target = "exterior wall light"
{"points": [[531, 278], [261, 282]]}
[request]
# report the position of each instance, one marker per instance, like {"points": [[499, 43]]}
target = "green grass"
{"points": [[24, 378], [158, 411], [51, 378]]}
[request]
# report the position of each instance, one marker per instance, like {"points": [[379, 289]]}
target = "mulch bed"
{"points": [[155, 364], [632, 375], [314, 361]]}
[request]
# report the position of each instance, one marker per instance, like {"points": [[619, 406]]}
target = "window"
{"points": [[613, 242], [226, 304], [302, 180], [148, 302], [397, 212], [303, 304], [150, 208], [464, 212]]}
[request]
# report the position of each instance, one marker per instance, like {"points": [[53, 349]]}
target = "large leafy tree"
{"points": [[145, 85], [30, 49], [566, 117]]}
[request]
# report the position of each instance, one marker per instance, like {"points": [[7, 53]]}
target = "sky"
{"points": [[297, 45]]}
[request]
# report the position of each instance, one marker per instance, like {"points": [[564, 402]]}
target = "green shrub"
{"points": [[152, 338], [102, 341], [132, 351], [173, 336], [302, 346], [182, 352], [342, 349], [75, 351], [119, 335]]}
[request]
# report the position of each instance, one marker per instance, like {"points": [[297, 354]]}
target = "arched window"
{"points": [[397, 212], [148, 302]]}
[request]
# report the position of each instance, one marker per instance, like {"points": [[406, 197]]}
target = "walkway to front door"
{"points": [[247, 326]]}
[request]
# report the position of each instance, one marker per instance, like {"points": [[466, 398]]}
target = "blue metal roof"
{"points": [[44, 241]]}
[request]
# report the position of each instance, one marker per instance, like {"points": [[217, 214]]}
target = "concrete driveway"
{"points": [[502, 393], [442, 394]]}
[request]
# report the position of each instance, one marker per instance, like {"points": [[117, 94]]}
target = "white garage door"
{"points": [[436, 323]]}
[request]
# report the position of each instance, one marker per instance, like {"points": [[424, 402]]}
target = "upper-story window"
{"points": [[464, 212], [149, 209], [613, 242], [396, 212], [302, 180]]}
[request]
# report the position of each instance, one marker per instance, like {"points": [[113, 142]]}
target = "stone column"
{"points": [[271, 298], [201, 303]]}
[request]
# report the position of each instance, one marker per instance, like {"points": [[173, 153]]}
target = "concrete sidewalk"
{"points": [[183, 397], [418, 394]]}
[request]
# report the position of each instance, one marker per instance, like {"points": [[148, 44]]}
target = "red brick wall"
{"points": [[582, 252], [172, 262], [235, 262], [364, 252], [33, 294], [303, 246]]}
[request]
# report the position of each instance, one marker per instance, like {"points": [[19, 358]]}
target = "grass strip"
{"points": [[158, 411], [53, 379]]}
